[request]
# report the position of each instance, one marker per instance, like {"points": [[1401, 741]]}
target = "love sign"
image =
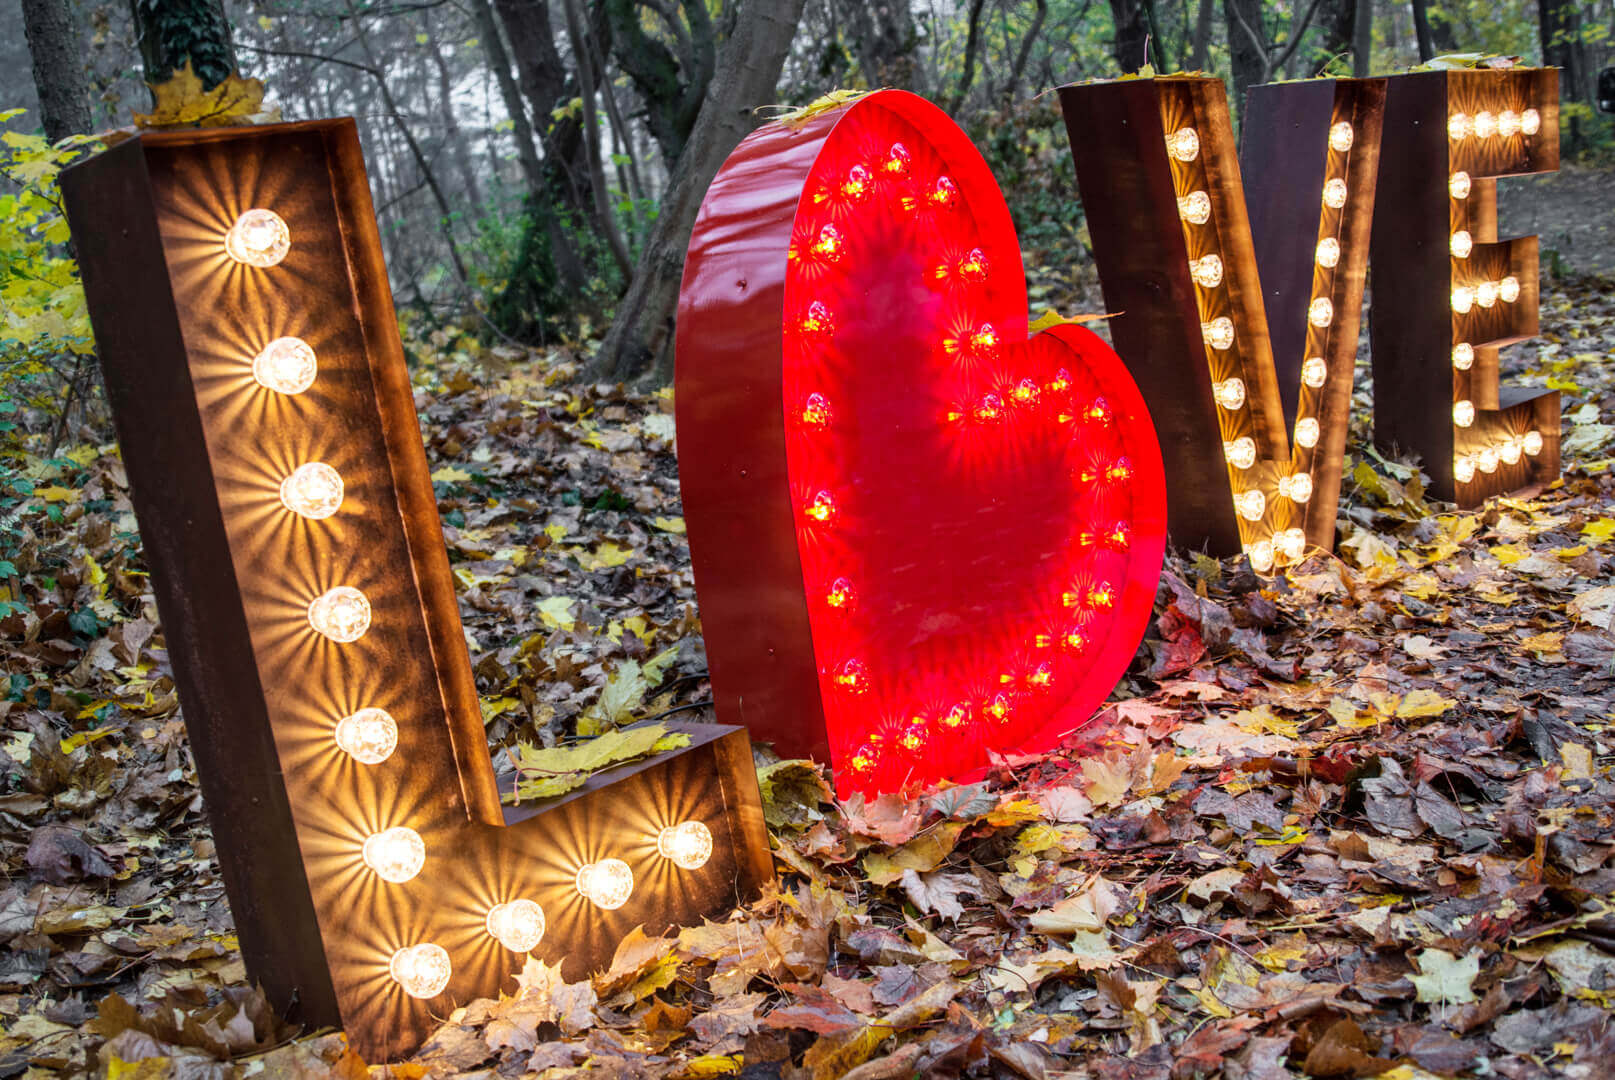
{"points": [[919, 536], [264, 413]]}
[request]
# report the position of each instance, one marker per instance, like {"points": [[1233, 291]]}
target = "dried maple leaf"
{"points": [[180, 101]]}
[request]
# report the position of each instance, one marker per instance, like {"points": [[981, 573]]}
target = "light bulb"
{"points": [[862, 763], [913, 738], [822, 509], [1486, 293], [1000, 708], [840, 594], [1184, 144], [852, 677], [1328, 253], [1463, 298], [1458, 185], [989, 408], [258, 238], [1206, 271], [687, 844], [1485, 125], [1463, 413], [1508, 123], [1218, 333], [341, 614], [898, 160], [1463, 468], [313, 490], [1195, 208], [1321, 312], [1530, 121], [286, 366], [1314, 371], [955, 717], [1531, 443], [973, 267], [1297, 488], [857, 184], [1463, 356], [1486, 460], [1261, 556], [1509, 451], [395, 854], [1241, 452], [1459, 127], [1508, 290], [1230, 393], [1334, 194], [518, 925], [422, 970], [369, 736], [1290, 544], [945, 194], [1461, 244], [1025, 391], [1340, 136], [1061, 381], [605, 884], [1307, 432], [829, 245], [818, 322], [985, 339], [1250, 504], [816, 410]]}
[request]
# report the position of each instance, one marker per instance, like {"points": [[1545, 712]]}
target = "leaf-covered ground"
{"points": [[1356, 821]]}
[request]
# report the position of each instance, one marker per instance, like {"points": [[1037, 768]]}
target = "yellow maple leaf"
{"points": [[1423, 703], [180, 101], [1261, 720], [450, 474], [1598, 531], [672, 525], [1509, 554]]}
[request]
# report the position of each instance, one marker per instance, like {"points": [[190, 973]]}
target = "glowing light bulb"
{"points": [[1250, 504], [1241, 452], [1195, 208], [606, 884], [1290, 545], [1340, 136], [862, 762], [1486, 293], [1042, 677], [1098, 411], [1307, 431], [816, 410], [258, 238], [945, 195], [956, 717], [1184, 144], [898, 160], [1508, 123], [1508, 290], [1459, 127], [1025, 392], [1463, 413], [395, 854], [1206, 271], [1461, 244], [1000, 708], [286, 366], [1321, 312], [989, 408], [1328, 253], [1486, 460], [687, 845], [518, 925], [1458, 185], [1463, 468], [422, 970], [818, 322], [369, 736], [1463, 356], [1530, 121], [1531, 443], [840, 595], [829, 244], [313, 490], [973, 266], [1075, 640], [1509, 451], [852, 677], [822, 509], [1061, 381], [985, 339], [1218, 333], [1314, 372], [1334, 194], [1485, 125], [341, 614], [1121, 469], [1297, 487], [1463, 298], [857, 184], [1230, 393], [1261, 556], [1119, 536]]}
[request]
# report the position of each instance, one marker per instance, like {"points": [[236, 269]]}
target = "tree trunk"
{"points": [[1247, 46], [884, 39], [591, 140], [1362, 39], [494, 45], [1421, 29], [1132, 33], [672, 87], [171, 32], [1563, 48], [57, 50], [641, 335], [1200, 58], [1337, 19]]}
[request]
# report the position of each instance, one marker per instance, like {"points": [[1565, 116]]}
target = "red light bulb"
{"points": [[1042, 677], [822, 509], [945, 195], [955, 717], [853, 677], [973, 267], [1098, 411], [989, 408], [1119, 536], [913, 738], [857, 184], [1121, 469], [862, 763], [1102, 596], [985, 339], [1061, 381], [829, 244], [816, 410], [840, 594], [1026, 392], [1000, 708], [898, 161], [817, 322], [1075, 640]]}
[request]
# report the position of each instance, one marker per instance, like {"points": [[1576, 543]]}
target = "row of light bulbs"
{"points": [[314, 490], [1506, 451], [1488, 125]]}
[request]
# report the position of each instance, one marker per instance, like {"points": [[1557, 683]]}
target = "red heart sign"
{"points": [[918, 536]]}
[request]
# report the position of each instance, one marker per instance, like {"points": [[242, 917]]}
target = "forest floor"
{"points": [[1357, 820]]}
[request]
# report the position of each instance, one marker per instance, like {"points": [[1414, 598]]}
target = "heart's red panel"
{"points": [[976, 521]]}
